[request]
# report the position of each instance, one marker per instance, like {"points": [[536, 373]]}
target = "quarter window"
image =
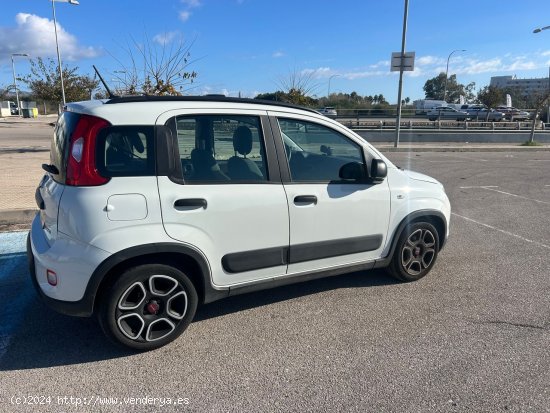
{"points": [[220, 148], [125, 151], [315, 152]]}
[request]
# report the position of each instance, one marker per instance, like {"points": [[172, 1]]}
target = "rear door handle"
{"points": [[305, 199], [190, 203]]}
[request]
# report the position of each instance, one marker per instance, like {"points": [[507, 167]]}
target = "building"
{"points": [[528, 86]]}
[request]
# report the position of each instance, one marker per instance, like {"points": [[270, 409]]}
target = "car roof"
{"points": [[117, 110], [206, 98]]}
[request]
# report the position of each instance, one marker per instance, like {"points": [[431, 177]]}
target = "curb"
{"points": [[463, 149], [16, 216]]}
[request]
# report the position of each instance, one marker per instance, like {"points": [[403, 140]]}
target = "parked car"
{"points": [[446, 112], [13, 109], [151, 206], [481, 113], [329, 112], [513, 114]]}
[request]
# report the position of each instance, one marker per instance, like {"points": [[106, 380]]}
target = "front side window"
{"points": [[316, 153], [220, 148]]}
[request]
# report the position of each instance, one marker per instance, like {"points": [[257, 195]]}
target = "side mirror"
{"points": [[327, 150], [378, 171], [352, 171]]}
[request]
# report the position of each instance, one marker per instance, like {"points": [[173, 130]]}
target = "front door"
{"points": [[333, 222]]}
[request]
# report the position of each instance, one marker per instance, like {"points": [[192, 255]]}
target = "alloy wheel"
{"points": [[151, 309], [418, 252]]}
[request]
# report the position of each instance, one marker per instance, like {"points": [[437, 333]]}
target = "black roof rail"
{"points": [[205, 98]]}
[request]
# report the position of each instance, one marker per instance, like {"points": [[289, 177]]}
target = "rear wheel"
{"points": [[415, 253], [148, 306]]}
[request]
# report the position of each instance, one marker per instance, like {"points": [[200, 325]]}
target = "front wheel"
{"points": [[148, 306], [415, 253]]}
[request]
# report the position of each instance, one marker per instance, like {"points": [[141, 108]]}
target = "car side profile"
{"points": [[513, 114], [151, 206], [481, 113], [446, 112]]}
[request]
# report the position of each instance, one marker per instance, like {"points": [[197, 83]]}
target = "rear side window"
{"points": [[125, 151], [220, 148], [59, 152]]}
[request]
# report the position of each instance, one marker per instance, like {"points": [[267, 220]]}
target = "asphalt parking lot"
{"points": [[471, 336]]}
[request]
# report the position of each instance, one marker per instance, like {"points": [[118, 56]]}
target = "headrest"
{"points": [[242, 140]]}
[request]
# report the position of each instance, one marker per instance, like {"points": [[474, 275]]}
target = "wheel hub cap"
{"points": [[153, 307]]}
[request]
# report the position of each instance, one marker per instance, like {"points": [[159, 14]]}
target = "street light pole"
{"points": [[447, 72], [76, 3], [538, 30], [15, 80]]}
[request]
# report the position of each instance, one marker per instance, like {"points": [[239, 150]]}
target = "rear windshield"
{"points": [[59, 150]]}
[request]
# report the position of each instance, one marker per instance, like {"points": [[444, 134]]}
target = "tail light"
{"points": [[81, 166]]}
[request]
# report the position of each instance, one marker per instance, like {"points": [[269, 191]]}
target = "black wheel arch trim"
{"points": [[414, 216], [85, 306]]}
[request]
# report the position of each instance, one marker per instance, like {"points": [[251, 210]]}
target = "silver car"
{"points": [[482, 114], [446, 112]]}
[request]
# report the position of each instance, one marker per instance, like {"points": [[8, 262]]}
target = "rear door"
{"points": [[226, 197], [333, 222]]}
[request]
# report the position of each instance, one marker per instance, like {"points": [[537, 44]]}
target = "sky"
{"points": [[251, 46]]}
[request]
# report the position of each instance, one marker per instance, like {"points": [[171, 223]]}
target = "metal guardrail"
{"points": [[426, 124]]}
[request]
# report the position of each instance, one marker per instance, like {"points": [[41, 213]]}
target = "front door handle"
{"points": [[305, 199], [190, 203]]}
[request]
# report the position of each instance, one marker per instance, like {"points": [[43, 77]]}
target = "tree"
{"points": [[539, 99], [298, 86], [276, 96], [4, 92], [155, 69], [293, 96], [490, 96], [45, 83], [434, 88]]}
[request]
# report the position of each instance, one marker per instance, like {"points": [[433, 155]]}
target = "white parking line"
{"points": [[484, 186], [540, 244], [492, 188], [517, 196]]}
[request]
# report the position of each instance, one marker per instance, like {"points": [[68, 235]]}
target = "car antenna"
{"points": [[104, 84]]}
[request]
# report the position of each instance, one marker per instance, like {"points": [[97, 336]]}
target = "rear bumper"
{"points": [[69, 296], [80, 308]]}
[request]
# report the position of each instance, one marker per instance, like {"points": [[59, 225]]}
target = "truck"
{"points": [[422, 106]]}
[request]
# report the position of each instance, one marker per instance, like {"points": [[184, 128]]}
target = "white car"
{"points": [[446, 112], [329, 112], [151, 206]]}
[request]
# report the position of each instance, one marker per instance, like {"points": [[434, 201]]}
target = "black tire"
{"points": [[148, 306], [415, 253]]}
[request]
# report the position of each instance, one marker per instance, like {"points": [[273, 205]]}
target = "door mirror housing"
{"points": [[378, 171], [352, 171]]}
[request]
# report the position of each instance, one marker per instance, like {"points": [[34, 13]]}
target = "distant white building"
{"points": [[528, 86]]}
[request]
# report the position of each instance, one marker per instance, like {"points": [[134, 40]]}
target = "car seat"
{"points": [[242, 168]]}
